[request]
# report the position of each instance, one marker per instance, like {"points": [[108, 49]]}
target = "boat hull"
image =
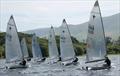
{"points": [[99, 68], [16, 66], [67, 63]]}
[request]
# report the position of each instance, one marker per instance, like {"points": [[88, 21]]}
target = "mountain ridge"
{"points": [[80, 30]]}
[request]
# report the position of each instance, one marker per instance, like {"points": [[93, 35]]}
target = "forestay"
{"points": [[36, 51], [96, 47], [53, 50], [12, 43], [66, 46]]}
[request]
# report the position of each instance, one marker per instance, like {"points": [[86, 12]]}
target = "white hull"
{"points": [[98, 68], [53, 60], [16, 66], [66, 63], [37, 61]]}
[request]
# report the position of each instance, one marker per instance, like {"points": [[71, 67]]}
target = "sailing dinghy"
{"points": [[13, 50], [36, 51], [96, 46], [53, 50], [66, 47]]}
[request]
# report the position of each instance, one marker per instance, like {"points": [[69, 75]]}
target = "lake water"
{"points": [[44, 69]]}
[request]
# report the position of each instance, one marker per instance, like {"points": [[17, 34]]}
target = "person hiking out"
{"points": [[23, 62], [75, 60], [108, 62]]}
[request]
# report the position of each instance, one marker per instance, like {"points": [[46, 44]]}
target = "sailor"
{"points": [[86, 68], [108, 62], [43, 59], [23, 62], [75, 60], [29, 59], [59, 59]]}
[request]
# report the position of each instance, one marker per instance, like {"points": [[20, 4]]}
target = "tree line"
{"points": [[113, 47]]}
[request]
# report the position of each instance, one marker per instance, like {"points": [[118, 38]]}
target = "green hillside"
{"points": [[43, 42]]}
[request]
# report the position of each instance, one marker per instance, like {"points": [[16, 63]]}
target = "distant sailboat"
{"points": [[24, 48], [12, 46], [96, 46], [53, 50], [66, 46], [36, 51]]}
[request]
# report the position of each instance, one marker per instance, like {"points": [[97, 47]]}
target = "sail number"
{"points": [[91, 29]]}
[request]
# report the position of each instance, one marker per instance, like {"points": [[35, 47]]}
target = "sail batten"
{"points": [[12, 43], [96, 46], [66, 46]]}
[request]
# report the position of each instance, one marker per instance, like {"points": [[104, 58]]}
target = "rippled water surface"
{"points": [[45, 69]]}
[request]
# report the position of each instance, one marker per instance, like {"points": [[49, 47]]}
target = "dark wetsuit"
{"points": [[43, 59], [23, 63], [29, 59], [59, 59], [108, 62], [76, 59]]}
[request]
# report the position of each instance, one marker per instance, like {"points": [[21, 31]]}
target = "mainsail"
{"points": [[24, 48], [12, 43], [96, 47], [53, 50], [66, 46], [36, 48]]}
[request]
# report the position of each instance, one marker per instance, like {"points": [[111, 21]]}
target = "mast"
{"points": [[102, 25]]}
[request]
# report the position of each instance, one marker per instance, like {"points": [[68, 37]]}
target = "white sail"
{"points": [[66, 46], [36, 51], [96, 47], [53, 50], [24, 48], [12, 44]]}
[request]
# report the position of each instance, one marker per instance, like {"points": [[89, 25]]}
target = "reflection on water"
{"points": [[58, 70]]}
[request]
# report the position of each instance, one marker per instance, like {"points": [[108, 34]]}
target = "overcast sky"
{"points": [[33, 14]]}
